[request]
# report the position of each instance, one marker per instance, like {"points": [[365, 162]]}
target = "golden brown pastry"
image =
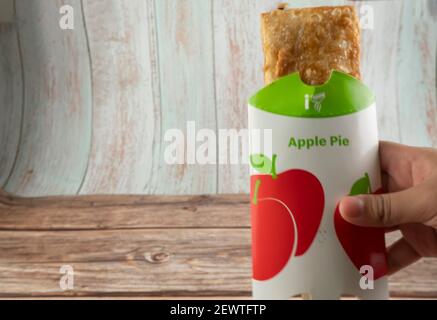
{"points": [[313, 41]]}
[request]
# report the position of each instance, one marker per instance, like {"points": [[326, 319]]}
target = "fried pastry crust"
{"points": [[313, 41]]}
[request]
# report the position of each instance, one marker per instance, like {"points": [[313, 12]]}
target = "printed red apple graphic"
{"points": [[363, 245], [287, 210]]}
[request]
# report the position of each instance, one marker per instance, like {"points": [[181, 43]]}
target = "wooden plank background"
{"points": [[143, 246], [85, 111], [6, 10]]}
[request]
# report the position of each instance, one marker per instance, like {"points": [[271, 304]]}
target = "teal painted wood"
{"points": [[158, 64], [239, 65], [378, 65], [55, 138], [124, 114], [154, 180], [185, 45], [11, 96], [416, 79]]}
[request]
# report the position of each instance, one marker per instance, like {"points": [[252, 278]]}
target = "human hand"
{"points": [[410, 177]]}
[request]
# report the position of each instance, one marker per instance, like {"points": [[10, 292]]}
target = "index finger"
{"points": [[397, 163], [393, 155]]}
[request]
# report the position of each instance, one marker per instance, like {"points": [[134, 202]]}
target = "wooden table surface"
{"points": [[142, 247]]}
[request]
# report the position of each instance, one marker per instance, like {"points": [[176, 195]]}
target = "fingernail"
{"points": [[352, 207]]}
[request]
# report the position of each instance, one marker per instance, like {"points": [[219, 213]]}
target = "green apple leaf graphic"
{"points": [[362, 186], [263, 164]]}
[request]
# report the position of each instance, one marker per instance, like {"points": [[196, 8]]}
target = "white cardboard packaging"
{"points": [[301, 245]]}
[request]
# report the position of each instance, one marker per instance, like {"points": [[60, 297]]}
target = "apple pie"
{"points": [[312, 41]]}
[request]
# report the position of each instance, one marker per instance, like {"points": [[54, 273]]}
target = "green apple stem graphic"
{"points": [[263, 164], [362, 186], [274, 158], [255, 194]]}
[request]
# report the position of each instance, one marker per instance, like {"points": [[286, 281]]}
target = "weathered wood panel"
{"points": [[123, 130], [124, 212], [103, 280], [11, 99], [378, 63], [179, 255], [6, 11], [239, 63], [155, 65], [55, 137], [196, 278], [186, 68], [416, 81]]}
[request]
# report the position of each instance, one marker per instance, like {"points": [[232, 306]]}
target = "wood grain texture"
{"points": [[11, 99], [185, 47], [123, 212], [123, 130], [379, 67], [417, 58], [152, 66], [6, 11], [180, 255], [56, 127], [238, 60]]}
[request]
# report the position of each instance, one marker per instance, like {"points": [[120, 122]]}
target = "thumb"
{"points": [[388, 210]]}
